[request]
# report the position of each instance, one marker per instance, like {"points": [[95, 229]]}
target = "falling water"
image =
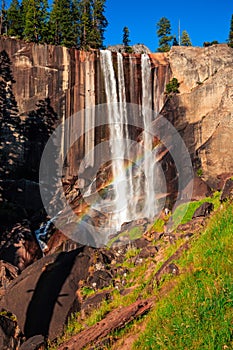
{"points": [[117, 145], [150, 203], [127, 184]]}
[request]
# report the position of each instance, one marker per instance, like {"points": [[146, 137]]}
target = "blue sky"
{"points": [[204, 20]]}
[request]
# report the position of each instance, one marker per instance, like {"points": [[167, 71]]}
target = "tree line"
{"points": [[72, 23], [167, 40]]}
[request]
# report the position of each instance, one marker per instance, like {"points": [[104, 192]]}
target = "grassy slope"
{"points": [[198, 313]]}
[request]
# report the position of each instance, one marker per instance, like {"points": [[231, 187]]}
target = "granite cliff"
{"points": [[41, 85], [72, 80]]}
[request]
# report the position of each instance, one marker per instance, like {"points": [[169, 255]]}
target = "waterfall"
{"points": [[150, 203], [117, 146], [127, 184], [129, 157]]}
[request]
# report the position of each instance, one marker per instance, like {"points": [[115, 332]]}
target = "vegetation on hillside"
{"points": [[197, 314], [193, 309]]}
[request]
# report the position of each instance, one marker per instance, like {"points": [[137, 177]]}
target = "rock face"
{"points": [[138, 48], [72, 80], [203, 111]]}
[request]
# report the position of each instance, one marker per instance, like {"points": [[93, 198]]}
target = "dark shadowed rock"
{"points": [[19, 246], [47, 292], [99, 279], [204, 210], [200, 189], [44, 295], [35, 343], [9, 331], [94, 301], [227, 192], [24, 193], [7, 273]]}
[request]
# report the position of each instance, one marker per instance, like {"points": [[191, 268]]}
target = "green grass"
{"points": [[198, 313], [184, 212]]}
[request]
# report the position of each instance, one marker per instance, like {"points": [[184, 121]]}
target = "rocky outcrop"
{"points": [[138, 48], [72, 80], [203, 109]]}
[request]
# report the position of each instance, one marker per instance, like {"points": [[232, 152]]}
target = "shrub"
{"points": [[172, 87]]}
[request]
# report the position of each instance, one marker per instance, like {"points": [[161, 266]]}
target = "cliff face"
{"points": [[203, 109], [73, 81]]}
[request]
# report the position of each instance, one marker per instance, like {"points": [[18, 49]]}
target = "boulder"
{"points": [[200, 189], [204, 210], [44, 295], [227, 192], [7, 273], [34, 343], [47, 292]]}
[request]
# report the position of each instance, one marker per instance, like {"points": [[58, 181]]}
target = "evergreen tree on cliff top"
{"points": [[14, 19], [92, 24], [99, 24], [35, 17], [3, 22], [164, 33], [126, 39], [230, 40], [62, 29], [185, 39], [85, 24]]}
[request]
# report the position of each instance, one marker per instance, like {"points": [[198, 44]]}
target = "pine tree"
{"points": [[92, 24], [14, 19], [230, 40], [61, 28], [11, 138], [99, 23], [86, 24], [3, 23], [164, 33], [35, 16], [185, 39], [126, 40], [175, 42]]}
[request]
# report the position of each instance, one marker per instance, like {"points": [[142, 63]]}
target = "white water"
{"points": [[150, 202], [127, 185], [117, 145], [134, 189]]}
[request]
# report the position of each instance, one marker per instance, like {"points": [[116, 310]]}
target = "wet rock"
{"points": [[204, 210], [227, 192]]}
